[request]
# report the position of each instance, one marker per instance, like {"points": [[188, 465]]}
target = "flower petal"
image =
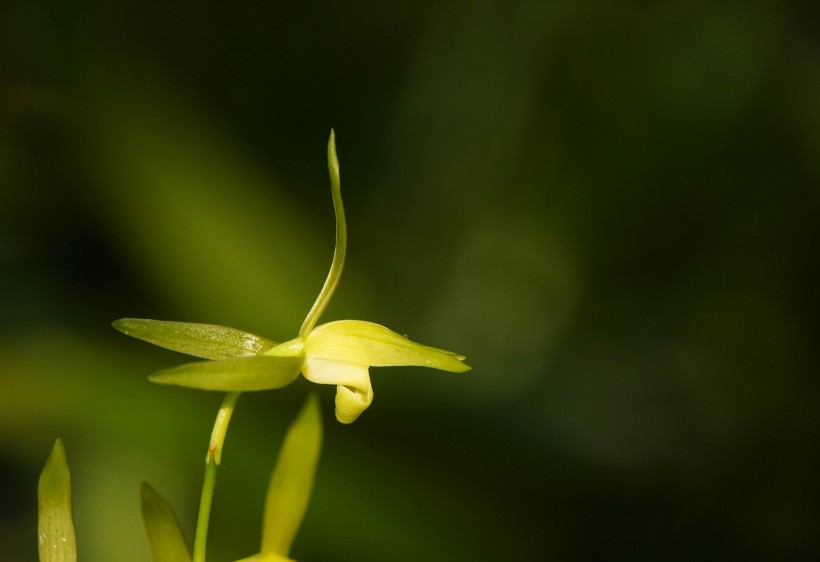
{"points": [[200, 340], [354, 393], [366, 343], [291, 482], [57, 542], [165, 540], [241, 374]]}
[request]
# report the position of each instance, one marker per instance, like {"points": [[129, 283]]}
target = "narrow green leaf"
{"points": [[366, 343], [55, 533], [200, 340], [291, 482], [162, 530], [241, 374]]}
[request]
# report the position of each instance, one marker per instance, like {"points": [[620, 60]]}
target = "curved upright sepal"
{"points": [[162, 530], [55, 527], [232, 375], [337, 265], [207, 341]]}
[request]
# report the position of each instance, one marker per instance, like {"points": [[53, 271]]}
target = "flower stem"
{"points": [[339, 252], [212, 460]]}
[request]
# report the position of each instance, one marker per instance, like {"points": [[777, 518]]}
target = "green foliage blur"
{"points": [[610, 208]]}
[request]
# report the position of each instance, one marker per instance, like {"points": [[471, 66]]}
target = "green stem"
{"points": [[212, 460], [339, 252], [204, 511]]}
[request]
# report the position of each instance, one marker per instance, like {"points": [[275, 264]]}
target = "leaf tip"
{"points": [[311, 406], [146, 491], [159, 378], [332, 158], [56, 462], [58, 448]]}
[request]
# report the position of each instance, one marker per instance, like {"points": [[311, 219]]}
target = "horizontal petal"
{"points": [[354, 393], [57, 542], [366, 343], [241, 374], [200, 340], [165, 540]]}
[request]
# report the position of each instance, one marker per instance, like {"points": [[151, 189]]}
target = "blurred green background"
{"points": [[610, 208]]}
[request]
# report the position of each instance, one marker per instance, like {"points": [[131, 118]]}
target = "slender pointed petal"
{"points": [[228, 375], [56, 539], [207, 341], [366, 343], [165, 540], [354, 393], [292, 479]]}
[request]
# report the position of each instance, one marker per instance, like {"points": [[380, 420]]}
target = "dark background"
{"points": [[610, 207]]}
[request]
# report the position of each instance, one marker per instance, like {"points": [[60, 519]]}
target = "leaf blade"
{"points": [[55, 526], [207, 341], [291, 482], [162, 530]]}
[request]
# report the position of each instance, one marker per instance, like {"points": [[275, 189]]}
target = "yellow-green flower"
{"points": [[339, 353]]}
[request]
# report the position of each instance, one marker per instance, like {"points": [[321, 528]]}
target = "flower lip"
{"points": [[354, 393]]}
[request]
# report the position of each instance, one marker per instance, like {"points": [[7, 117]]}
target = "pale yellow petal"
{"points": [[366, 343]]}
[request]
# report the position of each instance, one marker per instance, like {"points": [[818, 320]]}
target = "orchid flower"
{"points": [[339, 353]]}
